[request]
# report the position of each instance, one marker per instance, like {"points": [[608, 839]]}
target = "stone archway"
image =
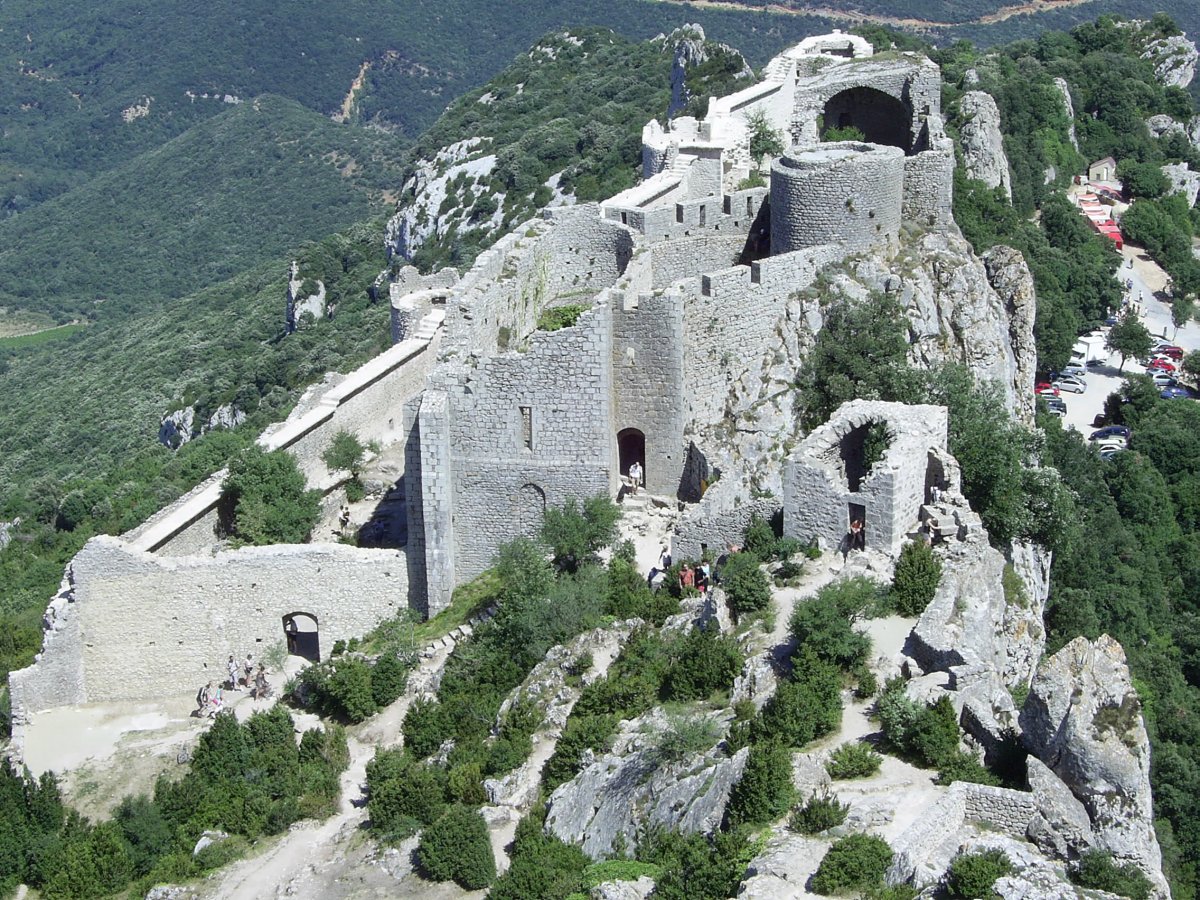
{"points": [[531, 509], [631, 448], [880, 117], [300, 630]]}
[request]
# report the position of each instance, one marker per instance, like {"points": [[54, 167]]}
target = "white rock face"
{"points": [[1174, 60], [624, 890], [1068, 108], [983, 146], [691, 49], [1083, 719], [1183, 181]]}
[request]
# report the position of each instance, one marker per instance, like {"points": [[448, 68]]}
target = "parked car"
{"points": [[1111, 431], [1073, 385], [1170, 351], [1111, 321], [1056, 405], [1077, 371], [1162, 379], [1096, 363], [1174, 393], [1045, 388], [1119, 442], [1162, 365], [1110, 452]]}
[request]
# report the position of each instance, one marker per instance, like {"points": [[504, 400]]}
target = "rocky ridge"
{"points": [[982, 143]]}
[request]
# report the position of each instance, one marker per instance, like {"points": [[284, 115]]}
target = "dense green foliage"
{"points": [[705, 661], [574, 534], [765, 791], [248, 780], [918, 571], [265, 499], [1096, 869], [1129, 337], [695, 867], [972, 875], [824, 624], [746, 587], [457, 848], [819, 813], [351, 688], [853, 760], [857, 862]]}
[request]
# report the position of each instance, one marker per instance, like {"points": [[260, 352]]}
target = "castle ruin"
{"points": [[684, 278]]}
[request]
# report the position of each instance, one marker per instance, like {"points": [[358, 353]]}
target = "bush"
{"points": [[344, 453], [857, 863], [853, 760], [866, 684], [765, 791], [265, 500], [618, 870], [401, 790], [425, 728], [803, 708], [824, 624], [706, 661], [1096, 869], [389, 677], [457, 848], [686, 736], [963, 766], [972, 875], [746, 587], [574, 534], [820, 813], [918, 572]]}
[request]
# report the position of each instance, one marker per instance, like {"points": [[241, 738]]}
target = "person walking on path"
{"points": [[635, 475], [232, 668]]}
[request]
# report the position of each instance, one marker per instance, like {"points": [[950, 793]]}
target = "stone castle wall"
{"points": [[150, 626]]}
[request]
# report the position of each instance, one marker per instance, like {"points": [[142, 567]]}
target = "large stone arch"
{"points": [[882, 118]]}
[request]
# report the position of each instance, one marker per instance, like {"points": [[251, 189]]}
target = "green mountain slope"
{"points": [[227, 194]]}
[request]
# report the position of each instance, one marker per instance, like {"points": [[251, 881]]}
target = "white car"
{"points": [[1111, 443], [1110, 452], [1074, 371], [1074, 385], [1163, 380]]}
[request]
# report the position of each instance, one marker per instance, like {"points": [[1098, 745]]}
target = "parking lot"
{"points": [[1148, 281]]}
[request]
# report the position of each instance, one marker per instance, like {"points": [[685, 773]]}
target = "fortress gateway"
{"points": [[686, 278]]}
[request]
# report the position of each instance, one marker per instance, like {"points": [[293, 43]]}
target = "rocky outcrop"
{"points": [[1068, 109], [1061, 827], [1083, 719], [634, 786], [1010, 278], [303, 307], [1174, 59], [691, 49], [624, 890], [782, 869], [1183, 181], [177, 428], [983, 146], [7, 530]]}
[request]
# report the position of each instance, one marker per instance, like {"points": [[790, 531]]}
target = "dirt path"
{"points": [[291, 865], [1005, 12]]}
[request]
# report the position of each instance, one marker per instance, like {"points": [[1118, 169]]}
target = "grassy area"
{"points": [[40, 337], [14, 323], [469, 599]]}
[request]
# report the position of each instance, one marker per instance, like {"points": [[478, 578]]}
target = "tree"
{"points": [[1182, 309], [345, 453], [1129, 337], [765, 791], [265, 499], [764, 140], [857, 863], [823, 626], [746, 587], [575, 535], [457, 848], [972, 875], [1191, 365], [1142, 179], [918, 572]]}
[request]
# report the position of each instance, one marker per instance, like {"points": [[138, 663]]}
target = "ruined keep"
{"points": [[685, 278]]}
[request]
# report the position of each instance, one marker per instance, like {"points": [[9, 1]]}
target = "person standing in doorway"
{"points": [[858, 536], [635, 475]]}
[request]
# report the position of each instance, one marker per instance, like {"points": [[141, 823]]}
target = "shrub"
{"points": [[425, 727], [963, 766], [618, 870], [1097, 870], [695, 868], [918, 572], [805, 707], [765, 791], [402, 791], [265, 500], [853, 760], [972, 875], [706, 661], [560, 317], [389, 677], [684, 737], [575, 534], [820, 813], [344, 453], [457, 848], [542, 865], [824, 624], [349, 689], [866, 683], [857, 862], [746, 587], [759, 539]]}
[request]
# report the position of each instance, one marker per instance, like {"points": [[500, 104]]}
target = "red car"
{"points": [[1161, 365], [1046, 389], [1175, 353]]}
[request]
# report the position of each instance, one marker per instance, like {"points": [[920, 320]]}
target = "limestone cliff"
{"points": [[1174, 59], [982, 144], [1083, 719], [692, 49]]}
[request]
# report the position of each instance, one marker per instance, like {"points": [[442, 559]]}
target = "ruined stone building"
{"points": [[685, 279]]}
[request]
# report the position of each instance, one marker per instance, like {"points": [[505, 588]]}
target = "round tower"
{"points": [[847, 193]]}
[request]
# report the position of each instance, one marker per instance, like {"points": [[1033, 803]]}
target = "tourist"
{"points": [[202, 696], [248, 670], [232, 668], [635, 476], [664, 558], [702, 577], [687, 578], [858, 537], [935, 494], [262, 689], [216, 701]]}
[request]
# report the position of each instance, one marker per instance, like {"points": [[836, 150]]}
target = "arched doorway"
{"points": [[631, 448], [531, 509], [300, 632], [880, 117]]}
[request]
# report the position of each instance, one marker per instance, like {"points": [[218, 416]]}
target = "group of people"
{"points": [[210, 699], [701, 576]]}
